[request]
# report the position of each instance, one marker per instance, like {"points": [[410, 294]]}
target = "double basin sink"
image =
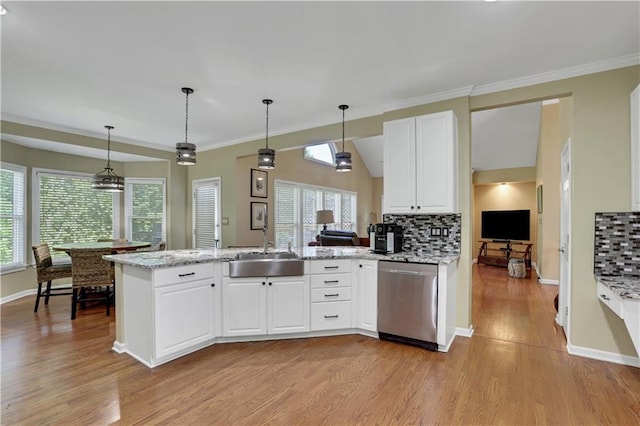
{"points": [[281, 264]]}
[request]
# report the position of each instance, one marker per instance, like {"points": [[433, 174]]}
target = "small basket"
{"points": [[517, 268]]}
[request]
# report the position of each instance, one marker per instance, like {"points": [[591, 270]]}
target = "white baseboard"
{"points": [[603, 356], [474, 260], [118, 347], [548, 282], [25, 293], [464, 332]]}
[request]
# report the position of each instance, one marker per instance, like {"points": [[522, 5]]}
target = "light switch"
{"points": [[445, 232], [435, 231], [225, 220]]}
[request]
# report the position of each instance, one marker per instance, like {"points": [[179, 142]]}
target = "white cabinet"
{"points": [[635, 149], [367, 294], [420, 158], [331, 293], [258, 306], [169, 312]]}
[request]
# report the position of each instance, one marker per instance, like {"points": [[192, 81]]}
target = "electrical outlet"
{"points": [[435, 231], [445, 232]]}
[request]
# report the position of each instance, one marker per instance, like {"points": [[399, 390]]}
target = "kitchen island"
{"points": [[171, 303]]}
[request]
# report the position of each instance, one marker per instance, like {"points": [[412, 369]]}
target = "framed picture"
{"points": [[258, 215], [259, 183], [539, 198]]}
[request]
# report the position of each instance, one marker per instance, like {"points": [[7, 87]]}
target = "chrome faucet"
{"points": [[265, 228]]}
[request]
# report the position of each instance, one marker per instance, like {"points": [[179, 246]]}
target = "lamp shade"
{"points": [[372, 217], [186, 154], [324, 216]]}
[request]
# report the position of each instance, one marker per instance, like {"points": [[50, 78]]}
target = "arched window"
{"points": [[323, 153]]}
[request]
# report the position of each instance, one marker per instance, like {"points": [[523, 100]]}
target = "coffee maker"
{"points": [[388, 238]]}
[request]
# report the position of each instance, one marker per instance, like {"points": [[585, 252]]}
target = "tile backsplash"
{"points": [[418, 236], [617, 244]]}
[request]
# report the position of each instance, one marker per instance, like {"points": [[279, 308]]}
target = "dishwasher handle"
{"points": [[402, 271]]}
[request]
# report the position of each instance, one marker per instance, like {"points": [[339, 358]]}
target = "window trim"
{"points": [[301, 186], [21, 264], [35, 200], [332, 148], [128, 204]]}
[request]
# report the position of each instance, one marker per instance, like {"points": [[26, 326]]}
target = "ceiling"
{"points": [[77, 66]]}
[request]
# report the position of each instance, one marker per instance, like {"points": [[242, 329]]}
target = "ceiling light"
{"points": [[185, 151], [107, 180], [3, 11], [267, 156], [343, 158]]}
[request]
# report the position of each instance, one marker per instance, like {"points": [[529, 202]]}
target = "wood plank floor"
{"points": [[513, 371]]}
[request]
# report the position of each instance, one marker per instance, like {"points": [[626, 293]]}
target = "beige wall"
{"points": [[290, 166], [378, 185], [515, 174], [510, 196], [548, 176]]}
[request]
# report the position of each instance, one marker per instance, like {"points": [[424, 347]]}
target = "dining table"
{"points": [[115, 246]]}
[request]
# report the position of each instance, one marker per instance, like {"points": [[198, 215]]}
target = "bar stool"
{"points": [[46, 272]]}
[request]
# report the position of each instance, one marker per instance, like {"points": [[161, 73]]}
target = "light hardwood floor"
{"points": [[514, 371]]}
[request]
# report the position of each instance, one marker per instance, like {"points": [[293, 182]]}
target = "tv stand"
{"points": [[498, 252]]}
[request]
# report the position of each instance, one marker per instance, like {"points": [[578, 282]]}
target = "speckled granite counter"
{"points": [[625, 287], [165, 259]]}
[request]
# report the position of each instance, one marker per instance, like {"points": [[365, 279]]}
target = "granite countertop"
{"points": [[165, 259], [625, 287]]}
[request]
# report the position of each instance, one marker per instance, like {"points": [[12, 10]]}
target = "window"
{"points": [[66, 209], [12, 217], [206, 213], [296, 207], [145, 210], [323, 153]]}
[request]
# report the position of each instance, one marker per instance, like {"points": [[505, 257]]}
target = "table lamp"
{"points": [[324, 217], [372, 218]]}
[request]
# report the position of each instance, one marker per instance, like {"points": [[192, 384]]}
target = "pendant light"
{"points": [[266, 155], [107, 180], [343, 159], [185, 151]]}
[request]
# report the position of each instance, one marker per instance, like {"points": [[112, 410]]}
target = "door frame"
{"points": [[564, 290]]}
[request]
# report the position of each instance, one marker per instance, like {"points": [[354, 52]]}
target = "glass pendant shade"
{"points": [[185, 151], [185, 154], [266, 158], [343, 161], [107, 180], [266, 155]]}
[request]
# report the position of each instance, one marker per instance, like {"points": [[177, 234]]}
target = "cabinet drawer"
{"points": [[330, 294], [330, 315], [330, 266], [182, 274], [612, 300], [330, 280]]}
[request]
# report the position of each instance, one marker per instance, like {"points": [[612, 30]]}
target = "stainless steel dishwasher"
{"points": [[408, 303]]}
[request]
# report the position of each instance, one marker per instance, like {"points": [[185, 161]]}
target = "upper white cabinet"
{"points": [[420, 158], [635, 149]]}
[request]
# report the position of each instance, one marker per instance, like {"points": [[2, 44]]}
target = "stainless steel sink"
{"points": [[279, 264]]}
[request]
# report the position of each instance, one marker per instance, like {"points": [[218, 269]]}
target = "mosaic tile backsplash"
{"points": [[617, 244], [417, 232]]}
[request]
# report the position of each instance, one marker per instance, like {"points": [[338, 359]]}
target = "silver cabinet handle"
{"points": [[186, 275], [401, 271], [331, 316], [604, 297], [332, 295]]}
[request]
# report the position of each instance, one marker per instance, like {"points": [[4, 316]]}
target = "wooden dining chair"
{"points": [[46, 272], [93, 278]]}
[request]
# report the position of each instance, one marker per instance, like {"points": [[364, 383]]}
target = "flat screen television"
{"points": [[506, 225]]}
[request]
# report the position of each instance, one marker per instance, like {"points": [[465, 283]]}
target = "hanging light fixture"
{"points": [[185, 151], [266, 155], [107, 180], [343, 159]]}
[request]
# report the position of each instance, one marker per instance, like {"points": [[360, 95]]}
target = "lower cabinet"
{"points": [[257, 306], [367, 294], [331, 298]]}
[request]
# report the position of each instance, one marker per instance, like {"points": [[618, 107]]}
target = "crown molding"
{"points": [[577, 71], [431, 98]]}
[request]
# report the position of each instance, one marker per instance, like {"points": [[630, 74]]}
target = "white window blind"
{"points": [[206, 213], [286, 214], [296, 207], [67, 209], [12, 217], [145, 209]]}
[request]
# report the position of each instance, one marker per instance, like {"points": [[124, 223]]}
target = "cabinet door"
{"points": [[436, 160], [288, 304], [244, 306], [635, 149], [367, 295], [184, 316], [399, 166]]}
